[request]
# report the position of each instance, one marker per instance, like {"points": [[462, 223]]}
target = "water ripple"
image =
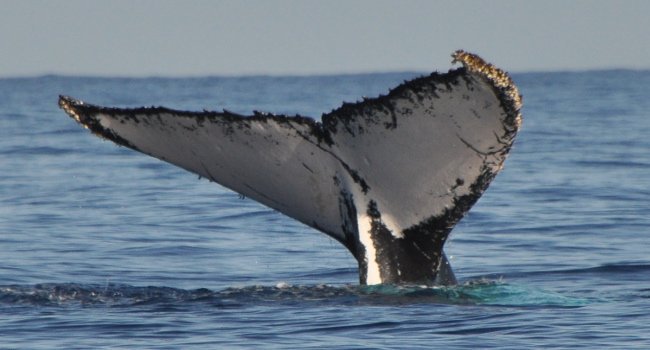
{"points": [[116, 295]]}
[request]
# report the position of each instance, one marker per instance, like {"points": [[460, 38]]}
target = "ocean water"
{"points": [[103, 247]]}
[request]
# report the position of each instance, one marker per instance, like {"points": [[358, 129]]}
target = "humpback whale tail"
{"points": [[388, 177]]}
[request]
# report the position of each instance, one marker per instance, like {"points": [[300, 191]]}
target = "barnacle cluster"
{"points": [[499, 78]]}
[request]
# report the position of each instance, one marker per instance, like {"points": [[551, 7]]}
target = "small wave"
{"points": [[617, 269], [482, 292], [111, 294]]}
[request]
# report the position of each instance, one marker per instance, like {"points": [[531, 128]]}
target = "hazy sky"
{"points": [[191, 37]]}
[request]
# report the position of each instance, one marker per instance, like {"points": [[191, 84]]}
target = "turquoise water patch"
{"points": [[478, 293]]}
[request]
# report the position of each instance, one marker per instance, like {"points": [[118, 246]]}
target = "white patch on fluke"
{"points": [[372, 273], [389, 221]]}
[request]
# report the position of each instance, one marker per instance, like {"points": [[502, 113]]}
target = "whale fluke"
{"points": [[388, 177]]}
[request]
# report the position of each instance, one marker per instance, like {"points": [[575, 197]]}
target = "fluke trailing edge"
{"points": [[388, 177]]}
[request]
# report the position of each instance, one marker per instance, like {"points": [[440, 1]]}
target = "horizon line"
{"points": [[294, 75]]}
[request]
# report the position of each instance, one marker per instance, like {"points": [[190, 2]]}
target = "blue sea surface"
{"points": [[103, 247]]}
